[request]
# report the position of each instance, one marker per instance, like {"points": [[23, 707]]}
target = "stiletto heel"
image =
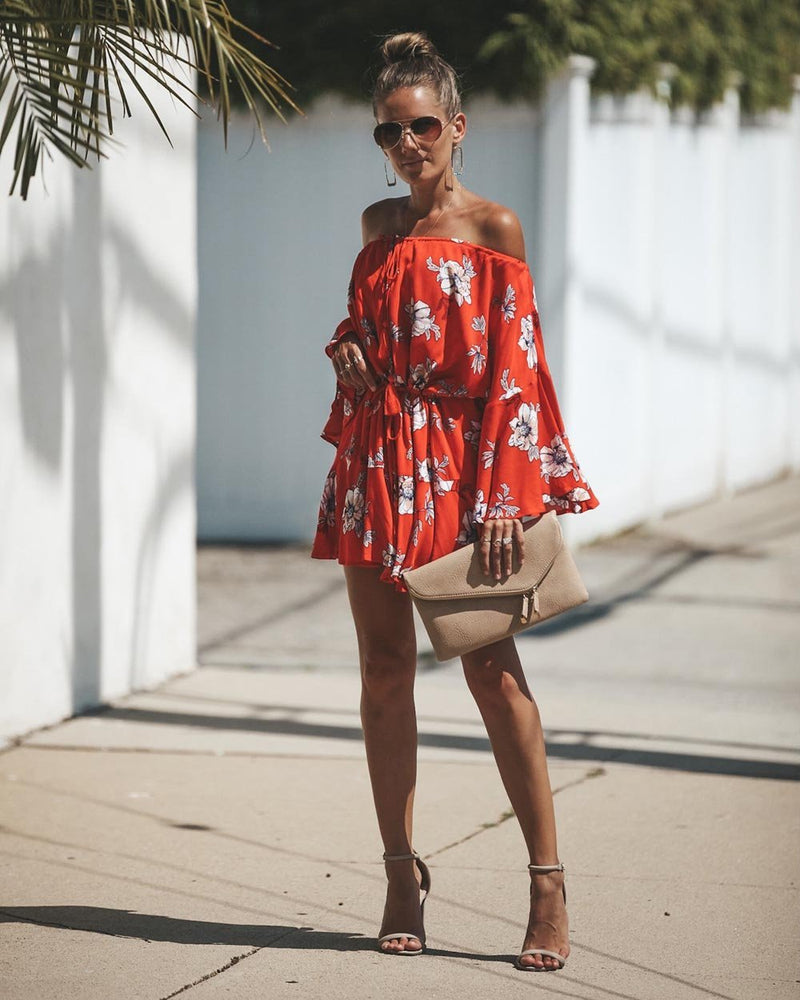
{"points": [[424, 890], [544, 870]]}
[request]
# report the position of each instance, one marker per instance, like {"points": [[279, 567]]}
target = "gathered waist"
{"points": [[393, 397]]}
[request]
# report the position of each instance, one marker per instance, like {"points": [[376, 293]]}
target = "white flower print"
{"points": [[327, 504], [450, 424], [487, 456], [396, 333], [420, 374], [422, 321], [551, 501], [479, 325], [347, 407], [509, 305], [392, 559], [555, 459], [415, 533], [454, 278], [473, 434], [368, 537], [511, 388], [429, 508], [502, 507], [433, 471], [577, 495], [468, 532], [478, 358], [369, 332], [525, 430], [419, 415], [349, 451], [527, 341], [405, 495], [353, 512], [375, 461]]}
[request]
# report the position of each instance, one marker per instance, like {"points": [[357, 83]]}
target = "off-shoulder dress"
{"points": [[464, 426]]}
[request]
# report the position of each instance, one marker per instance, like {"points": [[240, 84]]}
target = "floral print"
{"points": [[455, 279], [464, 426], [527, 341], [556, 460], [525, 431], [422, 320]]}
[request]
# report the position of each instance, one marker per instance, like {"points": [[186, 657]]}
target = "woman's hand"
{"points": [[499, 537], [350, 365]]}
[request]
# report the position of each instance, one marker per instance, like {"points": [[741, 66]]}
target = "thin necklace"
{"points": [[435, 222]]}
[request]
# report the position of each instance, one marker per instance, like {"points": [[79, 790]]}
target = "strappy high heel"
{"points": [[424, 889], [544, 870]]}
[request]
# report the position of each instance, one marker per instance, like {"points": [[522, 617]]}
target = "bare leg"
{"points": [[495, 678], [388, 655]]}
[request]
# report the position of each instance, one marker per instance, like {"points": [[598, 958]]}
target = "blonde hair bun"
{"points": [[405, 46], [410, 59]]}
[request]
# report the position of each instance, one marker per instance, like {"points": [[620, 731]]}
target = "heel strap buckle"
{"points": [[545, 869]]}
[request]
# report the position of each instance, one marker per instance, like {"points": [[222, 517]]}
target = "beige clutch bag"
{"points": [[462, 609]]}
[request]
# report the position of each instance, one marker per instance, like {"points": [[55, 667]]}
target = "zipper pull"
{"points": [[530, 604]]}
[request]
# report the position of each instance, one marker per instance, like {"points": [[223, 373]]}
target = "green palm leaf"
{"points": [[60, 64]]}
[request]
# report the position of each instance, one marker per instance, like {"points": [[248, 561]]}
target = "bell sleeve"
{"points": [[342, 405], [526, 466]]}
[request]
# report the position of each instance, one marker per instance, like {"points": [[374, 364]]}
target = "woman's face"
{"points": [[414, 159]]}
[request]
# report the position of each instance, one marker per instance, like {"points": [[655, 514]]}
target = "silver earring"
{"points": [[391, 181], [457, 160]]}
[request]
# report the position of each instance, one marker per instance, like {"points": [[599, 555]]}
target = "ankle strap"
{"points": [[401, 857], [544, 869]]}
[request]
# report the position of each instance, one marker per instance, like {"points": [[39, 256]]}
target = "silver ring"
{"points": [[497, 543], [347, 366], [508, 540]]}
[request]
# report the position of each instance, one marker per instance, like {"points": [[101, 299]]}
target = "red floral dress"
{"points": [[464, 425]]}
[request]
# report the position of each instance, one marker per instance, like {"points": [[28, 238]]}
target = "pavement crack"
{"points": [[595, 772], [213, 973]]}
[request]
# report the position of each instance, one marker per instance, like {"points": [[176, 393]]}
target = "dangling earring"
{"points": [[391, 181], [457, 160]]}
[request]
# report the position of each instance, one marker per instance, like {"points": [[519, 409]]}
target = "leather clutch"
{"points": [[462, 609]]}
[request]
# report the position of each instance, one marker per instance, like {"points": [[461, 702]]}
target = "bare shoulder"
{"points": [[501, 230], [380, 218]]}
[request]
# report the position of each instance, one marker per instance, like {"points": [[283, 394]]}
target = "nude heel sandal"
{"points": [[424, 889], [544, 870]]}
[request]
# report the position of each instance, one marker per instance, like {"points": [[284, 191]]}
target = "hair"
{"points": [[410, 59]]}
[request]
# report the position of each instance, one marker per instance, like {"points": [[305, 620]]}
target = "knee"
{"points": [[496, 686], [387, 670]]}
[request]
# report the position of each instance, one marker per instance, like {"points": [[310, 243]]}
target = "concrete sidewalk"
{"points": [[215, 838]]}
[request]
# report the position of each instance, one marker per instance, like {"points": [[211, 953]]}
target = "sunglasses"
{"points": [[428, 128]]}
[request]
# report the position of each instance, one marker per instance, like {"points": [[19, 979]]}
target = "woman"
{"points": [[447, 429]]}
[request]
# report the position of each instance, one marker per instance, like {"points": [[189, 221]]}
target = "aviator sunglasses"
{"points": [[428, 128]]}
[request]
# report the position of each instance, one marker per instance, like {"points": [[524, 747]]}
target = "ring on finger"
{"points": [[507, 540], [345, 367], [496, 543]]}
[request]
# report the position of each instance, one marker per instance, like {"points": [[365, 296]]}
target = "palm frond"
{"points": [[61, 65]]}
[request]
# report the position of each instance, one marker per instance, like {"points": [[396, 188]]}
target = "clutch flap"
{"points": [[459, 574]]}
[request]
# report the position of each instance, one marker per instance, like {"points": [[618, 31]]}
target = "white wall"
{"points": [[665, 255], [97, 423]]}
